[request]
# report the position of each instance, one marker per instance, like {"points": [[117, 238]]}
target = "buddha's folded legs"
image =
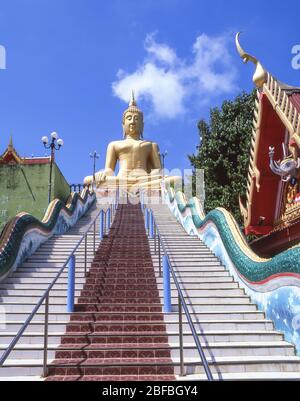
{"points": [[156, 184]]}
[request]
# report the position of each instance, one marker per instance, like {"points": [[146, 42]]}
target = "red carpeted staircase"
{"points": [[118, 330]]}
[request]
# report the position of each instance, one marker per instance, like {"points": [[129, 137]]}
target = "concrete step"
{"points": [[209, 337], [242, 364], [29, 306], [194, 258], [215, 315], [59, 258], [47, 273], [20, 317], [168, 318], [35, 351], [195, 300], [248, 376], [185, 265], [32, 299], [185, 252], [212, 300], [38, 327], [221, 365], [216, 280], [211, 325], [80, 251], [35, 327], [44, 271], [22, 379], [205, 286], [197, 271], [236, 349], [186, 248], [225, 307], [21, 292], [51, 250], [199, 293], [47, 265], [212, 273], [37, 282], [63, 285]]}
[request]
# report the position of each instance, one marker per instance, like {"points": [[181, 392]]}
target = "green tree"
{"points": [[224, 152]]}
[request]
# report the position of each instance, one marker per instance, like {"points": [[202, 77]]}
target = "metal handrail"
{"points": [[181, 303], [45, 298]]}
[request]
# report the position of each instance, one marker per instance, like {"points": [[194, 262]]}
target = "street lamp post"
{"points": [[94, 156], [162, 160], [54, 145]]}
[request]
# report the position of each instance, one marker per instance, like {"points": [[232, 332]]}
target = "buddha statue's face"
{"points": [[133, 125]]}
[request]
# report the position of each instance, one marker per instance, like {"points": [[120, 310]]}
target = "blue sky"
{"points": [[70, 64]]}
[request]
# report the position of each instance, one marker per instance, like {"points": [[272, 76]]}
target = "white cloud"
{"points": [[168, 82], [160, 52]]}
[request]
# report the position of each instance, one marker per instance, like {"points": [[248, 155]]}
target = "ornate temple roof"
{"points": [[295, 99], [276, 121], [11, 157]]}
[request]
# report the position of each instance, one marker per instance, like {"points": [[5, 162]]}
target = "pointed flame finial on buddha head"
{"points": [[133, 120]]}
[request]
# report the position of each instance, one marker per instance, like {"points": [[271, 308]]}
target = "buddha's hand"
{"points": [[100, 177]]}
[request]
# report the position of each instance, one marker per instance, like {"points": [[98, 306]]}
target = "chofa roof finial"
{"points": [[260, 76], [10, 145]]}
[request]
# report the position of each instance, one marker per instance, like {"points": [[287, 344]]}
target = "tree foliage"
{"points": [[224, 152]]}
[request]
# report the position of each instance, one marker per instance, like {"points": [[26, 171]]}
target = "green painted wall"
{"points": [[60, 186], [24, 188]]}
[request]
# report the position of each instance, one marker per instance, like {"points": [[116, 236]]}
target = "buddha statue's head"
{"points": [[133, 121]]}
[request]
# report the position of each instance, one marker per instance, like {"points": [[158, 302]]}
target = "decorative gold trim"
{"points": [[254, 173]]}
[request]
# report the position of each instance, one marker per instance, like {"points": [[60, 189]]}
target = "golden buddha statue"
{"points": [[139, 159]]}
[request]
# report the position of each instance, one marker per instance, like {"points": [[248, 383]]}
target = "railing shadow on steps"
{"points": [[106, 219], [165, 270]]}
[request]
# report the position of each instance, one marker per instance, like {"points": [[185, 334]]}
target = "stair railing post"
{"points": [[151, 225], [113, 211], [46, 322], [105, 222], [85, 254], [147, 220], [142, 200], [167, 285], [159, 257], [117, 198], [182, 370], [101, 227], [94, 239], [108, 219], [71, 284], [155, 235]]}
